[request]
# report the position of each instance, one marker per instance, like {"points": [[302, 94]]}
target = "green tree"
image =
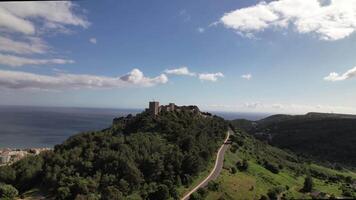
{"points": [[308, 184], [213, 186], [8, 192], [138, 156], [162, 193], [63, 193], [112, 193], [7, 174], [242, 166]]}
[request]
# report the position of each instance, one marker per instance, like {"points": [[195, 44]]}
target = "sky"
{"points": [[286, 56]]}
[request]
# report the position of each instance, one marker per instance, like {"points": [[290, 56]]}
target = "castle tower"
{"points": [[154, 108], [171, 106]]}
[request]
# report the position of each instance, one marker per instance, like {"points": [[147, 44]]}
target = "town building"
{"points": [[4, 158], [9, 156]]}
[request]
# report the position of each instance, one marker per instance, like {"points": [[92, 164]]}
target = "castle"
{"points": [[154, 108]]}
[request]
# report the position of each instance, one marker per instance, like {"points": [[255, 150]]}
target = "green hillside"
{"points": [[139, 157], [325, 137], [271, 172], [161, 157]]}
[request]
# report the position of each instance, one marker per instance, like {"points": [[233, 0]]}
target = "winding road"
{"points": [[219, 162]]}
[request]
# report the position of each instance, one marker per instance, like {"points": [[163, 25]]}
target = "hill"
{"points": [[139, 157], [325, 137], [256, 170]]}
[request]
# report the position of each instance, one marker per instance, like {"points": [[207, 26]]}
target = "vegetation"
{"points": [[153, 158], [7, 192], [328, 138], [141, 157], [308, 184], [261, 180]]}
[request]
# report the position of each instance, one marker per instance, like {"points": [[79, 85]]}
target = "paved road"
{"points": [[219, 162]]}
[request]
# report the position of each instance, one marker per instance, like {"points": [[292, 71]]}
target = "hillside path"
{"points": [[219, 162]]}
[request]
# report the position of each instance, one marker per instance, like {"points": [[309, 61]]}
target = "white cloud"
{"points": [[93, 40], [333, 76], [184, 71], [29, 46], [246, 76], [23, 80], [180, 71], [17, 61], [200, 30], [210, 77], [23, 23], [20, 16], [136, 77], [333, 21]]}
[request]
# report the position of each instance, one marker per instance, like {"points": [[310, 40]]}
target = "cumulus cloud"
{"points": [[136, 77], [23, 80], [333, 76], [20, 16], [18, 61], [246, 76], [184, 71], [23, 23], [180, 71], [93, 40], [329, 21], [28, 46], [210, 77]]}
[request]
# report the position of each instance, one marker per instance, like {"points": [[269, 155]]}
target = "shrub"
{"points": [[274, 192], [242, 166], [213, 186], [233, 170], [8, 192], [271, 167], [200, 194]]}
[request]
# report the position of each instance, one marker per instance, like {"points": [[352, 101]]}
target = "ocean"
{"points": [[30, 127], [24, 127]]}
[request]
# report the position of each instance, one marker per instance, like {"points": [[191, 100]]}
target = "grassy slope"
{"points": [[257, 180]]}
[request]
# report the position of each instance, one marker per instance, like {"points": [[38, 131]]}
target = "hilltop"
{"points": [[325, 137], [139, 157], [160, 155]]}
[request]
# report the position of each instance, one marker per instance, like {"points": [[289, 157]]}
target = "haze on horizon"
{"points": [[286, 56]]}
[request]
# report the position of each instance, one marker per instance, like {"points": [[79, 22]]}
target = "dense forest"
{"points": [[325, 137], [139, 157]]}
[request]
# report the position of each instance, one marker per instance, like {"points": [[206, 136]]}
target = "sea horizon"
{"points": [[45, 126]]}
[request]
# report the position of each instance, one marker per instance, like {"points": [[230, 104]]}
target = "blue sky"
{"points": [[287, 56]]}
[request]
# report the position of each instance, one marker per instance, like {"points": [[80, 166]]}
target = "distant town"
{"points": [[9, 156]]}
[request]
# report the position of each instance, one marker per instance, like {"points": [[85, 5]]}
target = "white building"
{"points": [[5, 158]]}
